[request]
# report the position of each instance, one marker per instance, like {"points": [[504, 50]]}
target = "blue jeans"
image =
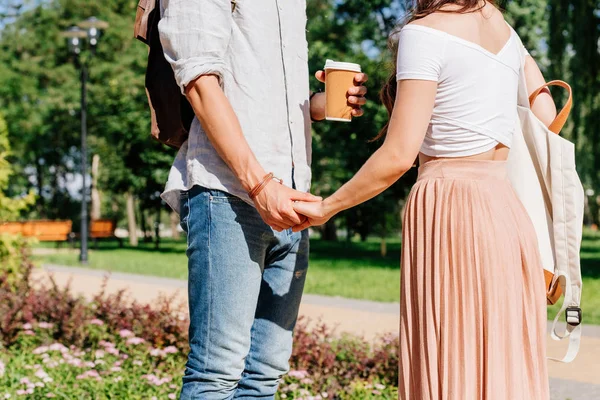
{"points": [[245, 286]]}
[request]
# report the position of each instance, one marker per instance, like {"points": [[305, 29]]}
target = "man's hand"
{"points": [[275, 205], [356, 97]]}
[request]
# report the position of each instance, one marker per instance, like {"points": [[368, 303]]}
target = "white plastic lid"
{"points": [[345, 66]]}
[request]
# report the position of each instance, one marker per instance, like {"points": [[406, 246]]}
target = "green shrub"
{"points": [[14, 251]]}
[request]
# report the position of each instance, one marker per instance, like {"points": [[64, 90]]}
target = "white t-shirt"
{"points": [[476, 102]]}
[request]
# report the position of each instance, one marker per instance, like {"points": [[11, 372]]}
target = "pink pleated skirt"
{"points": [[473, 305]]}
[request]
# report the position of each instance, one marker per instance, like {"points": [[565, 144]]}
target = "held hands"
{"points": [[356, 97], [316, 213], [275, 205]]}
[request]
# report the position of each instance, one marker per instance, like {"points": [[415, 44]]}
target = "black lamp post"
{"points": [[76, 37]]}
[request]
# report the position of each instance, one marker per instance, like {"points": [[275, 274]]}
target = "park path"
{"points": [[579, 380]]}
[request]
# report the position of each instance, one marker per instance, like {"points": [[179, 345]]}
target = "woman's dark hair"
{"points": [[420, 9]]}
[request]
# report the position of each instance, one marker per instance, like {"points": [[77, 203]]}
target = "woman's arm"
{"points": [[408, 124], [543, 107]]}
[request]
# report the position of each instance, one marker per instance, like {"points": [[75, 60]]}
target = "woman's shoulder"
{"points": [[458, 24]]}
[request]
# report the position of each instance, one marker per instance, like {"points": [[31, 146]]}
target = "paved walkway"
{"points": [[579, 380]]}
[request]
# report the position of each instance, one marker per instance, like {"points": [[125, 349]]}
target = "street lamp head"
{"points": [[74, 36], [93, 26]]}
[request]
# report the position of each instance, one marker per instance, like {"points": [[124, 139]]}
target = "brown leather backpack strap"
{"points": [[560, 120], [140, 28]]}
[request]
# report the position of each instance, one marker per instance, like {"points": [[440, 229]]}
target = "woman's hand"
{"points": [[315, 212]]}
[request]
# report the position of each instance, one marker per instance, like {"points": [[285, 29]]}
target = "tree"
{"points": [[10, 208]]}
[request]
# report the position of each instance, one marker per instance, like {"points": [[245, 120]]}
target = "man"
{"points": [[243, 67]]}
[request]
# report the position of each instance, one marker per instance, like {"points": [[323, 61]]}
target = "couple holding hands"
{"points": [[240, 184]]}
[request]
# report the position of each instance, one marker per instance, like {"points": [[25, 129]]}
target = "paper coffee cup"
{"points": [[339, 77]]}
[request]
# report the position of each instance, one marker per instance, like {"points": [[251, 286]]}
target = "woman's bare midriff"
{"points": [[498, 153]]}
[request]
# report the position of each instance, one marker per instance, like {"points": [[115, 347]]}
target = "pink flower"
{"points": [[92, 373], [115, 369], [58, 347], [170, 350], [137, 362], [96, 321], [40, 350], [171, 395], [50, 395], [99, 354], [118, 363], [25, 381], [21, 392], [27, 326], [125, 333], [124, 356], [135, 340], [173, 386], [155, 380], [39, 384], [40, 373], [376, 392], [29, 391], [118, 379], [2, 369], [155, 352], [104, 343], [48, 379], [298, 374], [112, 350], [75, 362], [45, 325]]}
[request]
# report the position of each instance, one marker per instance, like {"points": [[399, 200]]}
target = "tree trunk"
{"points": [[40, 199], [131, 224], [157, 227], [144, 227], [95, 213], [383, 247], [329, 231], [174, 219]]}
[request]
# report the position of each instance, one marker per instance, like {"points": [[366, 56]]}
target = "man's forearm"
{"points": [[223, 129]]}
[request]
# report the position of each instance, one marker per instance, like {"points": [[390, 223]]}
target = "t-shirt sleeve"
{"points": [[420, 55]]}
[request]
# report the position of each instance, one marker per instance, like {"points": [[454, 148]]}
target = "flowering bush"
{"points": [[53, 344]]}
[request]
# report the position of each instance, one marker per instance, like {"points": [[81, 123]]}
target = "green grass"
{"points": [[352, 270]]}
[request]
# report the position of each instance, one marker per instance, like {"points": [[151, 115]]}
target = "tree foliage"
{"points": [[39, 97]]}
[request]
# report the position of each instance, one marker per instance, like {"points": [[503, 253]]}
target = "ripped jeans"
{"points": [[245, 285]]}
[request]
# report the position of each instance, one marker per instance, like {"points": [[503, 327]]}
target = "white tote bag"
{"points": [[541, 168]]}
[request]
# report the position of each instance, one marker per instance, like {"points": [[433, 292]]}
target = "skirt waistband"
{"points": [[463, 169]]}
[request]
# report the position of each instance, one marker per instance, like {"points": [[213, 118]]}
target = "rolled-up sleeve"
{"points": [[194, 35]]}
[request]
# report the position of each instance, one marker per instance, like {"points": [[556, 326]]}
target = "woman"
{"points": [[473, 306]]}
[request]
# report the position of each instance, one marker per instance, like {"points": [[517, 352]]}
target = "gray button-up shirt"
{"points": [[260, 53]]}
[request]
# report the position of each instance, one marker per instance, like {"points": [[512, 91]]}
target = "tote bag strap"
{"points": [[560, 120]]}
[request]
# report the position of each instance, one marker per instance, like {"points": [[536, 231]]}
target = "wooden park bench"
{"points": [[103, 229], [42, 230]]}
